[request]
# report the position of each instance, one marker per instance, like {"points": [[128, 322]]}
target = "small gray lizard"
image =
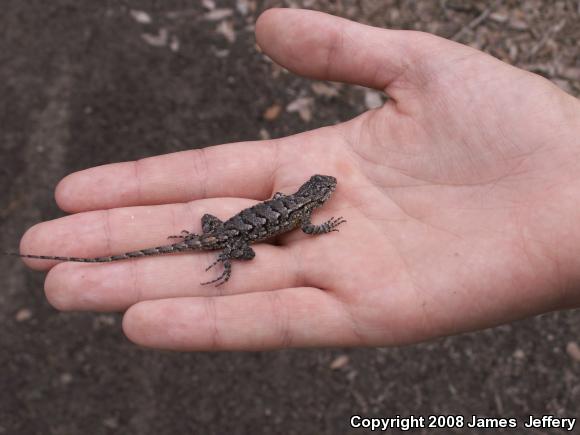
{"points": [[233, 237]]}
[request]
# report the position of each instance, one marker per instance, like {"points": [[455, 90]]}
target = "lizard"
{"points": [[280, 214]]}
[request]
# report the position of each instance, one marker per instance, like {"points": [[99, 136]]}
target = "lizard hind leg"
{"points": [[209, 223], [225, 275], [243, 252], [184, 235], [220, 258]]}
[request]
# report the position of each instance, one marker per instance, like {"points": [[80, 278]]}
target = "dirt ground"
{"points": [[85, 83]]}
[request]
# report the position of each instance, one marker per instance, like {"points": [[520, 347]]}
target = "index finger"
{"points": [[232, 170]]}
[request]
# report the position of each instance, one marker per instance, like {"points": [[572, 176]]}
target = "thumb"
{"points": [[325, 47]]}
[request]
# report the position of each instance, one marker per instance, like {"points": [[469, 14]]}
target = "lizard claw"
{"points": [[209, 267], [334, 222], [224, 277], [217, 260]]}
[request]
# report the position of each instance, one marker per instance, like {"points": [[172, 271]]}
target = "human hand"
{"points": [[460, 193]]}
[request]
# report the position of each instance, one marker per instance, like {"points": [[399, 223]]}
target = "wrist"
{"points": [[554, 222]]}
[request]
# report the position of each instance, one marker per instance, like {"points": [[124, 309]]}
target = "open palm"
{"points": [[460, 195]]}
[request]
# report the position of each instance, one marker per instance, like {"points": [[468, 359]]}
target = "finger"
{"points": [[117, 286], [236, 170], [293, 317], [339, 49], [109, 232]]}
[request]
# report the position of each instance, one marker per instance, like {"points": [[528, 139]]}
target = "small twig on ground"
{"points": [[475, 22]]}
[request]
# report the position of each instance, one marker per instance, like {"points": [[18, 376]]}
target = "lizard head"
{"points": [[319, 188]]}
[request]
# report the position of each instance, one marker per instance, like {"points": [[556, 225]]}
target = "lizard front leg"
{"points": [[326, 227]]}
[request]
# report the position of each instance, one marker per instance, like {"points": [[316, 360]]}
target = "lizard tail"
{"points": [[159, 250]]}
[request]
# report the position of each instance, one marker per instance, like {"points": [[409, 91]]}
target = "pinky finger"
{"points": [[293, 317]]}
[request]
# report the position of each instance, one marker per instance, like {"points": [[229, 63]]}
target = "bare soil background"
{"points": [[85, 83]]}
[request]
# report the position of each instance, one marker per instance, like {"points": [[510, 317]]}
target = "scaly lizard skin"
{"points": [[233, 237]]}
